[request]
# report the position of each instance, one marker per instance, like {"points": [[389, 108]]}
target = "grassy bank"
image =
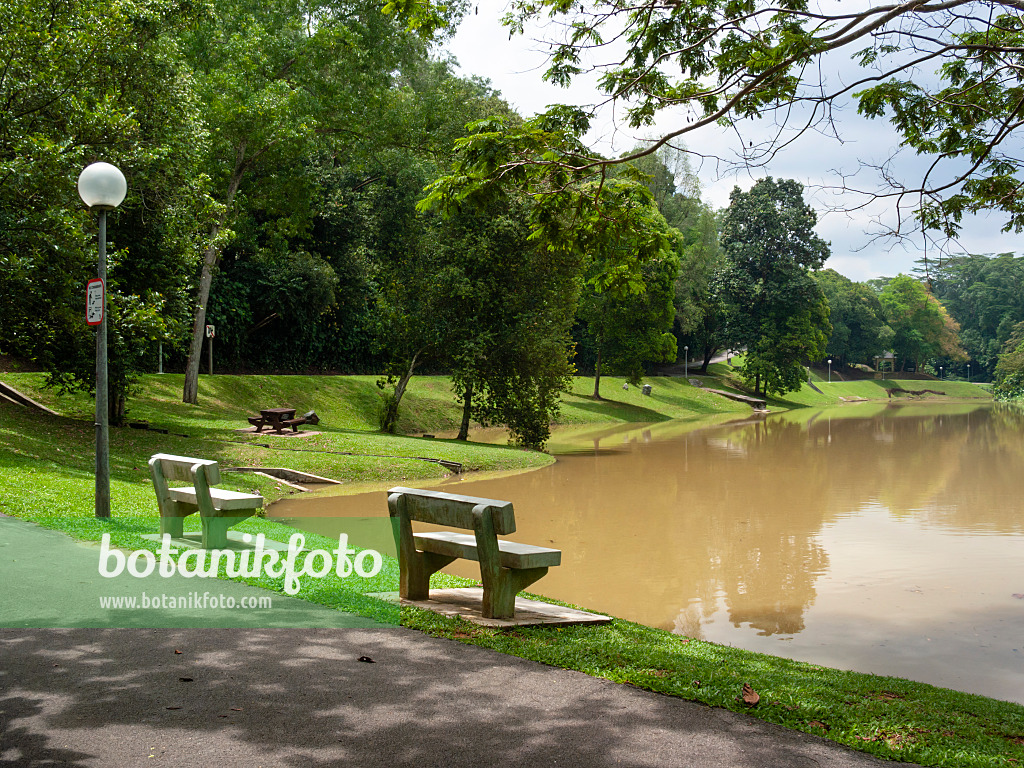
{"points": [[46, 466]]}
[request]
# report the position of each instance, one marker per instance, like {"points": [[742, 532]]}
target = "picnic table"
{"points": [[278, 419]]}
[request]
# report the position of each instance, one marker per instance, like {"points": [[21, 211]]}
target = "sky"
{"points": [[515, 67]]}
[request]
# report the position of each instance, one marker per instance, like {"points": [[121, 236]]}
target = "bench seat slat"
{"points": [[222, 499], [512, 553]]}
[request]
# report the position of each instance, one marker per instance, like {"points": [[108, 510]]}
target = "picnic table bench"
{"points": [[506, 567], [278, 419], [219, 508]]}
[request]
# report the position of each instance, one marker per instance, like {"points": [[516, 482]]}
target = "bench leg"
{"points": [[215, 531], [175, 526], [414, 579], [500, 592]]}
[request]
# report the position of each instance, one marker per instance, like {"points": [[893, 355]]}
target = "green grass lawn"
{"points": [[46, 476]]}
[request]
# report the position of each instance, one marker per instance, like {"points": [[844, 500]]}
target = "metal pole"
{"points": [[102, 419], [209, 349], [160, 351]]}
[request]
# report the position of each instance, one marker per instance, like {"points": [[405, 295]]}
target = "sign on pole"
{"points": [[209, 331], [94, 301]]}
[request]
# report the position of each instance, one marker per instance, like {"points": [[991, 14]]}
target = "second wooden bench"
{"points": [[506, 567]]}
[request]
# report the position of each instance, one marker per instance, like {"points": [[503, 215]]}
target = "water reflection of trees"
{"points": [[791, 478], [671, 532]]}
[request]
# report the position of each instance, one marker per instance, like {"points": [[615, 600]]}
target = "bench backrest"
{"points": [[180, 468], [449, 509]]}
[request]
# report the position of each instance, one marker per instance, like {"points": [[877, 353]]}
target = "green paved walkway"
{"points": [[51, 580]]}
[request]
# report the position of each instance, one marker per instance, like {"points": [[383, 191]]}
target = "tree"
{"points": [[699, 313], [1009, 381], [628, 322], [689, 66], [856, 316], [506, 307], [776, 309], [985, 294], [80, 84], [921, 325], [275, 79]]}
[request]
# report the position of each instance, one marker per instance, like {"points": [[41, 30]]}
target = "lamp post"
{"points": [[830, 370], [968, 373], [686, 361], [940, 372], [102, 187]]}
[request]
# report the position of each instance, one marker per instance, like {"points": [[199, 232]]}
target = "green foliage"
{"points": [[685, 66], [506, 307], [985, 294], [81, 84], [628, 321], [857, 320], [1009, 382], [922, 328], [776, 310]]}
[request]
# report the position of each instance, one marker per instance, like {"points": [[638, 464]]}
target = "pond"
{"points": [[880, 538]]}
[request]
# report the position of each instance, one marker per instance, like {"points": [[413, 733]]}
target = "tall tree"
{"points": [[855, 313], [80, 84], [699, 320], [985, 294], [777, 311], [274, 78], [922, 326], [629, 321], [1009, 381], [507, 307]]}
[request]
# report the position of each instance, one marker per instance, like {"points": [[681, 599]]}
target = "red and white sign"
{"points": [[94, 296]]}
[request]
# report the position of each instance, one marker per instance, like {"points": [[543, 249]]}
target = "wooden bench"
{"points": [[506, 567], [218, 508]]}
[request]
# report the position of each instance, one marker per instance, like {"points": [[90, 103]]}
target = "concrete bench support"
{"points": [[506, 567], [218, 508]]}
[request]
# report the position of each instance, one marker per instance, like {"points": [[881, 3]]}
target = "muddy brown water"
{"points": [[884, 539]]}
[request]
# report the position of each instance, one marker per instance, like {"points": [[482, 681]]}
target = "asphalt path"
{"points": [[328, 696]]}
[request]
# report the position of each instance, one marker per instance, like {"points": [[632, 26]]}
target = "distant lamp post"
{"points": [[686, 361], [830, 370], [940, 372], [102, 187], [968, 373]]}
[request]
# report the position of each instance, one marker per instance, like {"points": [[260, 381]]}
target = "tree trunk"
{"points": [[597, 373], [389, 420], [467, 402], [757, 383], [709, 352], [190, 393], [117, 409]]}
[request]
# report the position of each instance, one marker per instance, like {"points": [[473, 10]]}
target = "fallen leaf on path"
{"points": [[367, 659], [185, 679], [177, 651]]}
